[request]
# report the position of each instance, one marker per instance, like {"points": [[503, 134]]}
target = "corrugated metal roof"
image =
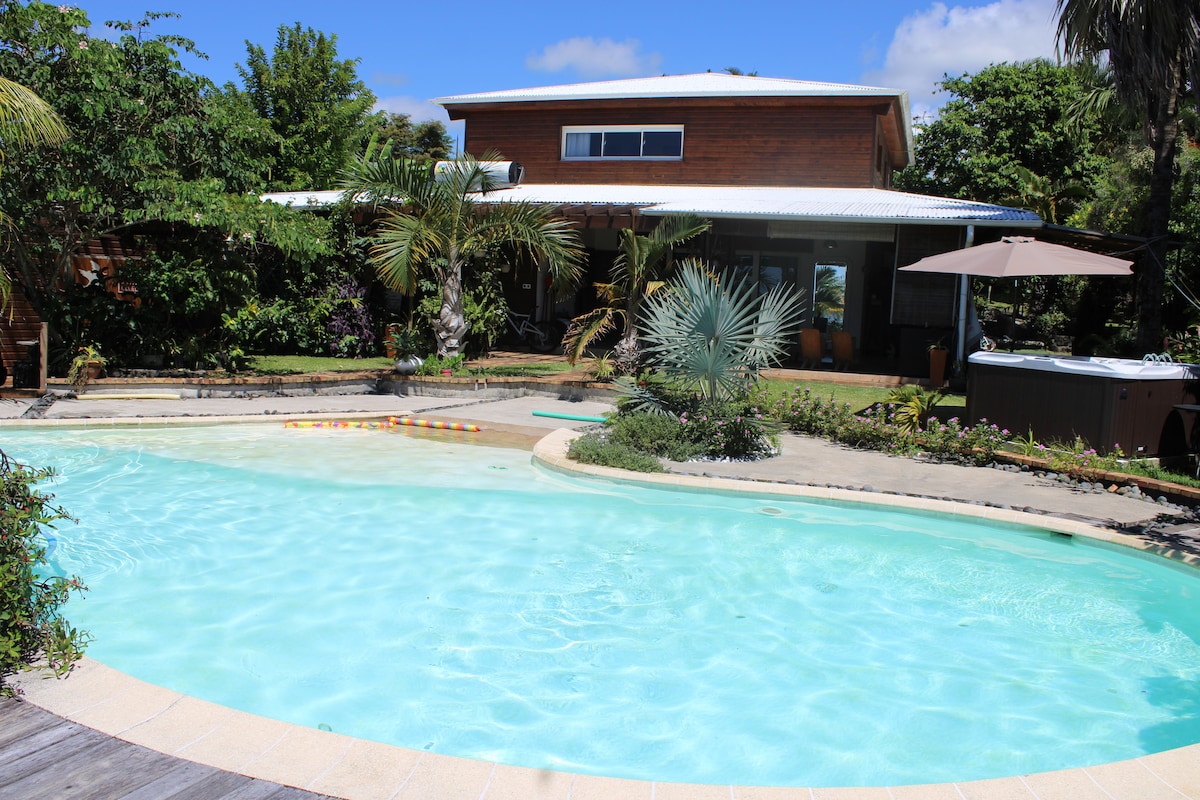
{"points": [[743, 202], [779, 203], [303, 200], [705, 84]]}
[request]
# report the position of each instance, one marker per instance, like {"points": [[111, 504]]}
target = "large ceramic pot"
{"points": [[937, 366], [408, 365]]}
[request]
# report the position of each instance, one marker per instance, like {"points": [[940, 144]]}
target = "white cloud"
{"points": [[591, 58], [419, 110], [952, 40]]}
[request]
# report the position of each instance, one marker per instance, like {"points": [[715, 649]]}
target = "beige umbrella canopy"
{"points": [[1018, 256]]}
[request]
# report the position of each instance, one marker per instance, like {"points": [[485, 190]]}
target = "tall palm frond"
{"points": [[26, 121], [829, 290], [1042, 196], [711, 332], [638, 272], [433, 221], [1153, 49]]}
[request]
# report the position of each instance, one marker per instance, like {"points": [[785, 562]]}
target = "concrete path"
{"points": [[822, 463]]}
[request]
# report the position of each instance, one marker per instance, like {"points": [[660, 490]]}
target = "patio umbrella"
{"points": [[1015, 257], [1018, 256]]}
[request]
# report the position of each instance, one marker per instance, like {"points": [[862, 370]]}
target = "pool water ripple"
{"points": [[407, 591]]}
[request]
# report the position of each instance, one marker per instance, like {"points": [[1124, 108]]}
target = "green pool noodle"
{"points": [[576, 417]]}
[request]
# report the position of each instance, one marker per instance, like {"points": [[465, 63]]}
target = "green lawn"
{"points": [[299, 365], [860, 397]]}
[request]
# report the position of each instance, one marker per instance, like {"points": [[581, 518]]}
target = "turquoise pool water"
{"points": [[403, 587]]}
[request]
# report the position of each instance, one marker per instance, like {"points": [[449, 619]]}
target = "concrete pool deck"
{"points": [[332, 764]]}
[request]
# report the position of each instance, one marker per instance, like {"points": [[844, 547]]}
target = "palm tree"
{"points": [[710, 332], [25, 121], [639, 271], [1153, 48], [1040, 195], [433, 220]]}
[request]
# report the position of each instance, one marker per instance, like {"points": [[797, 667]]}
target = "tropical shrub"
{"points": [[655, 434], [595, 449], [349, 327], [712, 334], [914, 406], [30, 624], [887, 427]]}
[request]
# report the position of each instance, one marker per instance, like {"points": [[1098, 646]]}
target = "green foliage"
{"points": [[1184, 346], [1077, 457], [315, 102], [877, 428], [434, 365], [441, 224], [79, 372], [154, 144], [421, 139], [913, 406], [639, 270], [1121, 205], [31, 626], [656, 434], [1003, 119], [133, 114], [712, 334], [299, 365], [484, 305], [594, 449]]}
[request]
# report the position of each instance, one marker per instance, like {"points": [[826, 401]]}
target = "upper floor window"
{"points": [[656, 142]]}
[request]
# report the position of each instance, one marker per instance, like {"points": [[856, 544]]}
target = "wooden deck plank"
{"points": [[45, 756], [185, 780], [97, 772]]}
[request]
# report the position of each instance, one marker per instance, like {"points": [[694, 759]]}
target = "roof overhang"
{"points": [[780, 203]]}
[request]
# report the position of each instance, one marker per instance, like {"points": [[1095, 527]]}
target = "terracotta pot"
{"points": [[937, 367], [446, 373]]}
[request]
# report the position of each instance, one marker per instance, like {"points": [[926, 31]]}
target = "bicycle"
{"points": [[536, 335]]}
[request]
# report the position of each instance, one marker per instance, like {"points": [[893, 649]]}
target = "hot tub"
{"points": [[1106, 401]]}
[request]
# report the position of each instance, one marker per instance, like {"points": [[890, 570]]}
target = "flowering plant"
{"points": [[88, 357]]}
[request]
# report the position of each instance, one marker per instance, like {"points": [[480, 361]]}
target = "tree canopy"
{"points": [[433, 221], [1005, 126], [313, 101], [1153, 50]]}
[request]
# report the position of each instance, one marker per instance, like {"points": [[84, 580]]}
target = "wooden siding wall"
{"points": [[20, 323], [813, 146]]}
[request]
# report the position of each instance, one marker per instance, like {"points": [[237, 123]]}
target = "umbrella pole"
{"points": [[964, 294]]}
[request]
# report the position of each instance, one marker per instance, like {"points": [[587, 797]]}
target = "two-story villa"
{"points": [[795, 176]]}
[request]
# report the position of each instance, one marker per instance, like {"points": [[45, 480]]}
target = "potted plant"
{"points": [[88, 364], [938, 353], [401, 344]]}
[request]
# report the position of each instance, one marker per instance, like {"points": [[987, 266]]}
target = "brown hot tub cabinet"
{"points": [[1106, 401]]}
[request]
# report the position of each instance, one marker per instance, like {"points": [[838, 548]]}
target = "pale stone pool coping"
{"points": [[330, 763]]}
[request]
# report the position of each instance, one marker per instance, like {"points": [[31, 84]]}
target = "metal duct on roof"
{"points": [[503, 174]]}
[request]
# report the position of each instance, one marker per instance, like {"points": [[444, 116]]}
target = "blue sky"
{"points": [[411, 53]]}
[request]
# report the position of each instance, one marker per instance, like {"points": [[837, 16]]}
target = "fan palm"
{"points": [[433, 221], [710, 332], [638, 271], [1153, 48], [25, 121]]}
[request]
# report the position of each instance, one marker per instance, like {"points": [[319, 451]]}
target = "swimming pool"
{"points": [[453, 598]]}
